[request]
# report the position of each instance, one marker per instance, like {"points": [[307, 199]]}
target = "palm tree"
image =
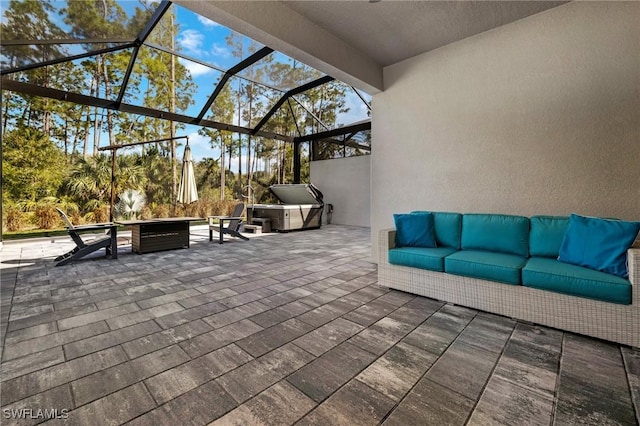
{"points": [[90, 179]]}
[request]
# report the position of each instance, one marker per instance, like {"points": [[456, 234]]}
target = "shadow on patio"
{"points": [[282, 329]]}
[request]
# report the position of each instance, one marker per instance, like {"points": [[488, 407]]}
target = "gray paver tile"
{"points": [[530, 366], [395, 373], [271, 317], [216, 339], [431, 404], [112, 338], [381, 336], [631, 359], [144, 315], [32, 362], [50, 316], [56, 375], [120, 376], [201, 299], [199, 406], [329, 335], [178, 380], [182, 317], [96, 316], [114, 409], [370, 313], [464, 369], [592, 384], [489, 332], [31, 333], [164, 338], [416, 311], [281, 404], [67, 301], [266, 340], [506, 403], [52, 340], [354, 404], [127, 298], [326, 374], [166, 298], [22, 312], [54, 399], [256, 376]]}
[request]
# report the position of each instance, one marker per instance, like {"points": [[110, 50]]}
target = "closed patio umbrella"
{"points": [[187, 191]]}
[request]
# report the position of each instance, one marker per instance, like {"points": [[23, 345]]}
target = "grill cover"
{"points": [[301, 208]]}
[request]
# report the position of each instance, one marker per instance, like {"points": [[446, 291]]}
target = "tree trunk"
{"points": [[66, 140], [96, 122], [5, 114], [107, 92], [172, 108], [85, 147], [222, 169]]}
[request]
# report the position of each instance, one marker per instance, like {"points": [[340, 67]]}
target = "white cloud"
{"points": [[219, 50], [194, 68], [200, 147], [191, 41], [196, 139], [208, 23]]}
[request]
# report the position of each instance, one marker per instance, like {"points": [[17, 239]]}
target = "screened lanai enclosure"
{"points": [[81, 76]]}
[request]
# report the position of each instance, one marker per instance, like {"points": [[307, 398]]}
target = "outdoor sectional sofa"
{"points": [[509, 265]]}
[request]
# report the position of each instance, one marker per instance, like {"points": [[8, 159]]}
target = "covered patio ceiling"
{"points": [[281, 90]]}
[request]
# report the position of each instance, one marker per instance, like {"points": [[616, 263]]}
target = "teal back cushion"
{"points": [[546, 235], [447, 227], [599, 244], [414, 230], [496, 232]]}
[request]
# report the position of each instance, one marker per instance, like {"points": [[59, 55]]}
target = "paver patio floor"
{"points": [[283, 329]]}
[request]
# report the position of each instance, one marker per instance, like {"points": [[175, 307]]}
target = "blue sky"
{"points": [[204, 40]]}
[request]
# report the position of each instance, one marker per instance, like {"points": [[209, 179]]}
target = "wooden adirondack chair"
{"points": [[233, 228], [83, 248]]}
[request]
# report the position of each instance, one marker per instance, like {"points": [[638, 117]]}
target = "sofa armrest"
{"points": [[633, 259], [386, 241]]}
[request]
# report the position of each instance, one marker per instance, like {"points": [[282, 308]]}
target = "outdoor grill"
{"points": [[301, 208]]}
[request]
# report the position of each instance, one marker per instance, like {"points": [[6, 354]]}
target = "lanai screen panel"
{"points": [[128, 53]]}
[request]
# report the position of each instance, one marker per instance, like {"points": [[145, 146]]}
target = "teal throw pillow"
{"points": [[414, 230], [599, 244]]}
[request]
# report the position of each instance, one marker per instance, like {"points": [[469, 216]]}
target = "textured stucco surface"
{"points": [[540, 116], [345, 183]]}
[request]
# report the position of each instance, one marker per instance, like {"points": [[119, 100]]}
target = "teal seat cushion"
{"points": [[501, 267], [419, 257], [448, 228], [546, 235], [553, 275], [496, 232], [414, 230], [599, 244]]}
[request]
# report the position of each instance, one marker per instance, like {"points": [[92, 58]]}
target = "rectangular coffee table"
{"points": [[159, 234]]}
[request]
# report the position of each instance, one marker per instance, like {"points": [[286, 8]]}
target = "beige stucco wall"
{"points": [[345, 183], [541, 116]]}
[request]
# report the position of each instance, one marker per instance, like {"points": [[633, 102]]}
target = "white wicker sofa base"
{"points": [[604, 320]]}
